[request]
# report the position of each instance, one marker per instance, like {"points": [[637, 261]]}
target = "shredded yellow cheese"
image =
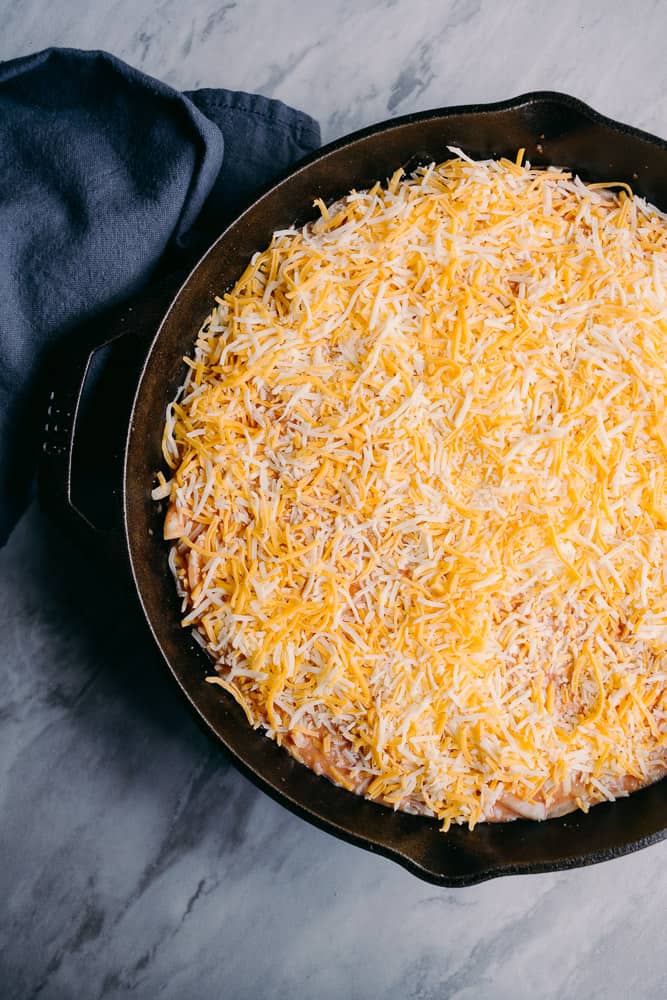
{"points": [[418, 494]]}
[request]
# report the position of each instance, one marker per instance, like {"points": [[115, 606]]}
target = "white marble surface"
{"points": [[134, 859]]}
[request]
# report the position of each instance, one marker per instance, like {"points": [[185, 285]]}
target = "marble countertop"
{"points": [[134, 858]]}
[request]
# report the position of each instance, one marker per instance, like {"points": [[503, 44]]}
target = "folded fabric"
{"points": [[105, 173]]}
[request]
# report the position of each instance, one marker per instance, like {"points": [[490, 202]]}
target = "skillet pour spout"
{"points": [[553, 129]]}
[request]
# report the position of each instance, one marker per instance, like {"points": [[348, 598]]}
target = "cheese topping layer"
{"points": [[418, 496]]}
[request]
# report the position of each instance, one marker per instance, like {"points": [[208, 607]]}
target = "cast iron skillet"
{"points": [[553, 128]]}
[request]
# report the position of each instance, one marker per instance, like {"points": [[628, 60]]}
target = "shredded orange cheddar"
{"points": [[418, 500]]}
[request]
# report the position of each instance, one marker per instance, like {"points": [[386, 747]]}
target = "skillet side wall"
{"points": [[553, 129]]}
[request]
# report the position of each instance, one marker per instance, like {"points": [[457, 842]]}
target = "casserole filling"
{"points": [[417, 505]]}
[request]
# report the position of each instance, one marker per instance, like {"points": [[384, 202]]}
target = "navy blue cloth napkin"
{"points": [[105, 174]]}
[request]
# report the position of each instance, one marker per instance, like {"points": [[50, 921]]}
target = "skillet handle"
{"points": [[91, 377], [67, 376]]}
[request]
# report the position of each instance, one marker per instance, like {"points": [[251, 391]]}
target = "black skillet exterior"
{"points": [[552, 128]]}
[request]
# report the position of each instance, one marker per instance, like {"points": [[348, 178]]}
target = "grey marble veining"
{"points": [[134, 859], [351, 62]]}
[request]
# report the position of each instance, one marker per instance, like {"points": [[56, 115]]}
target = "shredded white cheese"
{"points": [[418, 496]]}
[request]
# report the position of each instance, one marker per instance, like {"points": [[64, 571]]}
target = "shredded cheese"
{"points": [[418, 494]]}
